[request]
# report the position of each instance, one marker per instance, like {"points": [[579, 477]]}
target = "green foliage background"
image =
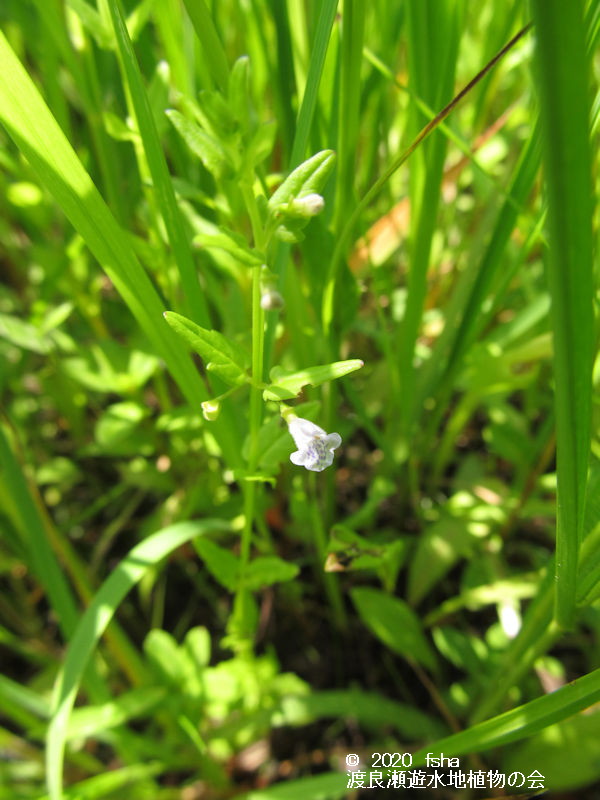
{"points": [[186, 614]]}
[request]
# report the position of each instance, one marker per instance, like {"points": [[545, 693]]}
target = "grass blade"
{"points": [[206, 32], [520, 722], [40, 554], [512, 726], [93, 624], [193, 297], [562, 71]]}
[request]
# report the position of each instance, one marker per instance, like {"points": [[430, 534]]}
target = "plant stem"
{"points": [[250, 487]]}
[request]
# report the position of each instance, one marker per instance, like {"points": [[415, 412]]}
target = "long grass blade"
{"points": [[206, 32], [562, 71], [520, 722], [193, 298], [93, 624], [40, 554]]}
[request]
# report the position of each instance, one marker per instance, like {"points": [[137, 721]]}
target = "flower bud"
{"points": [[211, 410], [308, 206], [271, 300]]}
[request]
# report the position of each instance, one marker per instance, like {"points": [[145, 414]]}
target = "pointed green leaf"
{"points": [[24, 334], [395, 624], [222, 564], [162, 651], [92, 22], [562, 78], [208, 150], [90, 721], [307, 178], [286, 385], [239, 95], [215, 57], [222, 356], [520, 722], [234, 244], [267, 570], [262, 143], [215, 115]]}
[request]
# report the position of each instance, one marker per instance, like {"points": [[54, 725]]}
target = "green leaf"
{"points": [[261, 144], [55, 316], [223, 357], [93, 22], [521, 587], [562, 77], [113, 783], [567, 754], [234, 244], [89, 721], [395, 624], [520, 722], [117, 424], [215, 115], [267, 570], [286, 385], [467, 652], [24, 334], [238, 91], [60, 470], [164, 654], [368, 708], [197, 646], [441, 545], [222, 564], [349, 551], [109, 367], [274, 443], [215, 57], [309, 177], [329, 786], [290, 231], [118, 129], [209, 150]]}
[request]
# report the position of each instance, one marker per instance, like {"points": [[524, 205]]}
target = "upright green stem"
{"points": [[255, 413], [258, 329], [258, 337]]}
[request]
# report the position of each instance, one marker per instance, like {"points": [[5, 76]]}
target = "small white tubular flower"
{"points": [[315, 447]]}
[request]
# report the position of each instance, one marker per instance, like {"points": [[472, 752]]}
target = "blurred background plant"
{"points": [[185, 613]]}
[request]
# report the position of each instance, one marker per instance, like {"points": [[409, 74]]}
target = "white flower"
{"points": [[315, 447]]}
